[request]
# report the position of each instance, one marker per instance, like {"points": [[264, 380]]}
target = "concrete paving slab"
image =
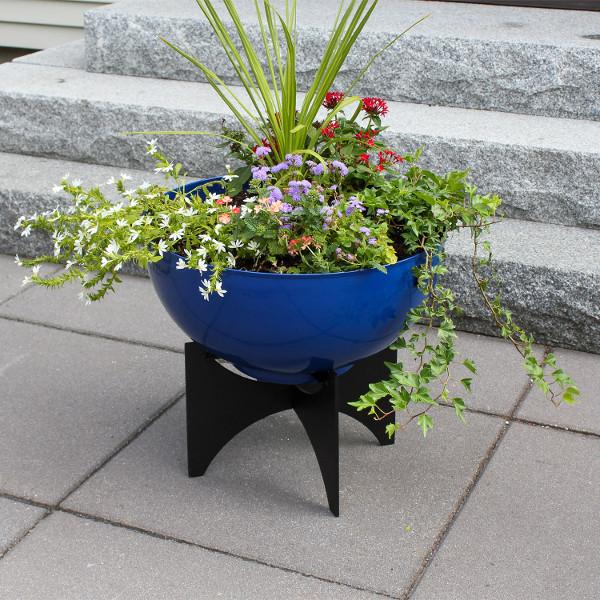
{"points": [[11, 277], [132, 313], [530, 528], [585, 415], [263, 496], [15, 519], [68, 558], [67, 401]]}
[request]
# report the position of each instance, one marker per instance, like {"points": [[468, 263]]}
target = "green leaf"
{"points": [[469, 364], [425, 422]]}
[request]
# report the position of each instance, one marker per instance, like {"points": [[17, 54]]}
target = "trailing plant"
{"points": [[316, 192]]}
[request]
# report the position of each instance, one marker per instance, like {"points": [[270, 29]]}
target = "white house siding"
{"points": [[41, 24]]}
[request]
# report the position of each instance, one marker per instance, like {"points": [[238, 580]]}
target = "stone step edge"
{"points": [[530, 161], [447, 43], [550, 273]]}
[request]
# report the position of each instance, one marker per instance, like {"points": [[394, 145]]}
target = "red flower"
{"points": [[376, 107], [379, 168], [332, 99], [329, 130], [366, 137], [364, 158], [388, 157], [236, 210]]}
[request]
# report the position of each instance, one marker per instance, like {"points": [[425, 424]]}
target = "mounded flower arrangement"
{"points": [[321, 245]]}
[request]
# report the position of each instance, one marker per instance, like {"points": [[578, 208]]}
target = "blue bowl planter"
{"points": [[284, 328]]}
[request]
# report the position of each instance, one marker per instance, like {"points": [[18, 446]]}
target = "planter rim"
{"points": [[310, 275]]}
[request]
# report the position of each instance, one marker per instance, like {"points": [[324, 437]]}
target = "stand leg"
{"points": [[318, 413], [220, 404], [356, 381]]}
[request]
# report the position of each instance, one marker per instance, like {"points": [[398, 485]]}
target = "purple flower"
{"points": [[262, 151], [354, 204], [372, 241], [317, 169], [295, 160], [282, 166], [260, 173], [365, 230], [382, 211], [341, 167], [286, 208], [276, 194], [298, 188], [338, 251]]}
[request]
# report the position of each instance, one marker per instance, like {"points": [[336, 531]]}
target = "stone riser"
{"points": [[502, 74], [75, 115], [551, 286]]}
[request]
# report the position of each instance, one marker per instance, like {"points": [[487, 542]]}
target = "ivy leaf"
{"points": [[469, 364], [570, 395], [466, 382], [391, 429], [425, 422]]}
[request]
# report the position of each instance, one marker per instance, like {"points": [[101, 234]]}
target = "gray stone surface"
{"points": [[530, 528], [68, 558], [550, 277], [12, 275], [529, 160], [16, 519], [263, 496], [495, 58], [71, 55], [68, 400], [133, 313], [26, 184], [585, 415]]}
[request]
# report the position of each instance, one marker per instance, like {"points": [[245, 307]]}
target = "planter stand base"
{"points": [[220, 404]]}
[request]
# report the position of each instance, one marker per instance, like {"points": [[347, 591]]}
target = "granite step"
{"points": [[502, 58], [546, 169], [550, 273]]}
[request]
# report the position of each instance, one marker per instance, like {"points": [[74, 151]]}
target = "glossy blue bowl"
{"points": [[285, 328]]}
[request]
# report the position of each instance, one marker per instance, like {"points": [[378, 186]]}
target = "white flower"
{"points": [[19, 223], [35, 271], [138, 222], [18, 261], [81, 296], [111, 181], [202, 252], [181, 264], [133, 202], [229, 177], [219, 246], [166, 169], [205, 293], [65, 177], [202, 266], [144, 186], [76, 182], [219, 289], [104, 261], [129, 193], [26, 280], [236, 244], [212, 197], [252, 245], [122, 222], [112, 249], [152, 147], [231, 260], [134, 235], [69, 264], [187, 253], [205, 238], [164, 220], [187, 212], [177, 235], [162, 247], [26, 232], [125, 177], [119, 266], [57, 189]]}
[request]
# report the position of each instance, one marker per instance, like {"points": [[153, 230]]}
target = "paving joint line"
{"points": [[170, 538], [23, 289], [94, 334], [51, 508], [124, 444], [480, 470]]}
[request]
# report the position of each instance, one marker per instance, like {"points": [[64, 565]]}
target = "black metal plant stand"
{"points": [[220, 404]]}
